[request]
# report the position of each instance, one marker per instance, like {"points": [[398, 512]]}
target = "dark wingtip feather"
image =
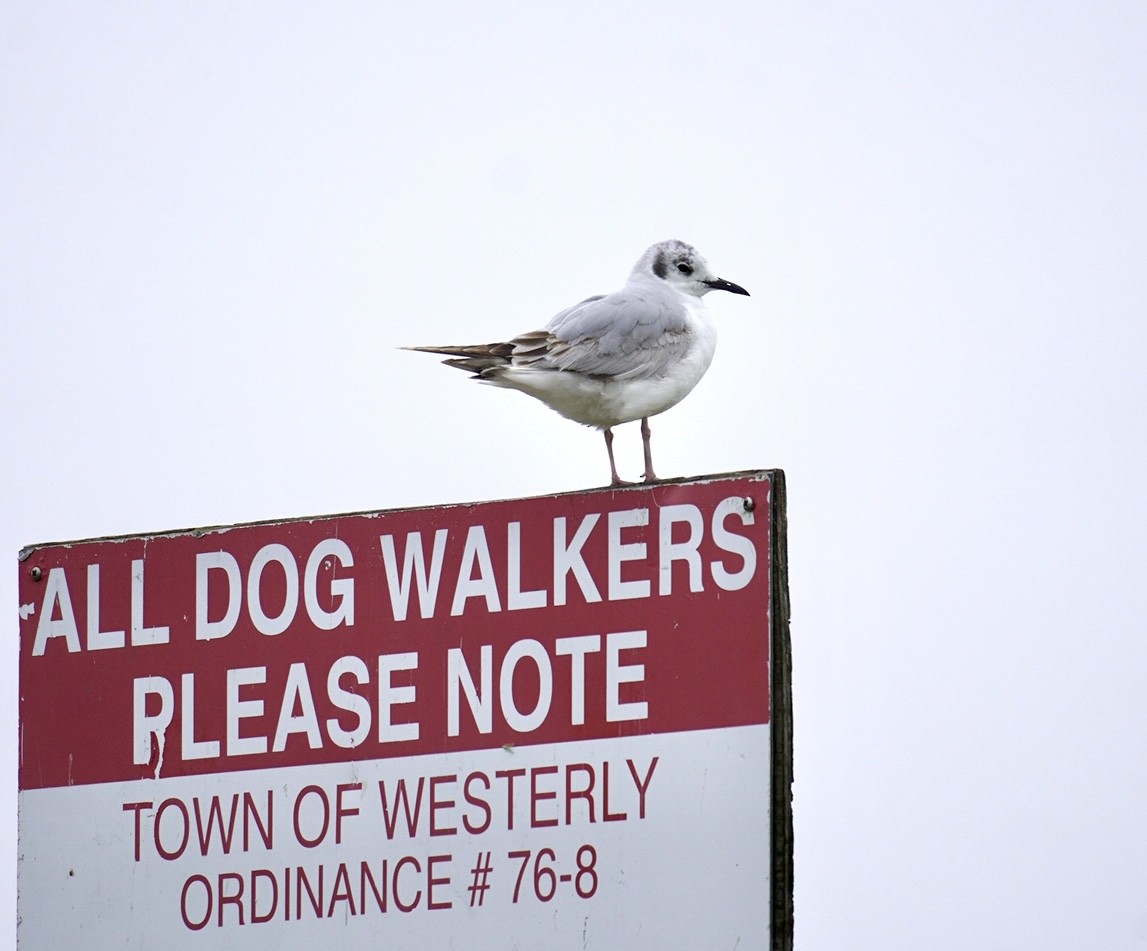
{"points": [[476, 365]]}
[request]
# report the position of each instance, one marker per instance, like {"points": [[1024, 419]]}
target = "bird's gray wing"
{"points": [[630, 334]]}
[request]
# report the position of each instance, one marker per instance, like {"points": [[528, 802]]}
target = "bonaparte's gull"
{"points": [[618, 357]]}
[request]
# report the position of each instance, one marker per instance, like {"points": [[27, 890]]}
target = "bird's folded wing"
{"points": [[627, 335], [623, 336]]}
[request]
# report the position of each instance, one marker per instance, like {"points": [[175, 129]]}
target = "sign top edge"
{"points": [[757, 475]]}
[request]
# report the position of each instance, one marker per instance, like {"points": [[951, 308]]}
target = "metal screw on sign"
{"points": [[749, 503], [36, 573]]}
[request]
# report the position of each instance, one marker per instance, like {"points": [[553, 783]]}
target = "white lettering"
{"points": [[526, 722], [349, 701], [243, 709], [191, 747], [569, 558], [686, 551], [140, 634], [145, 725], [390, 695], [413, 567], [734, 544], [576, 648], [616, 675], [480, 700], [619, 553], [306, 720], [516, 598], [476, 552], [206, 629], [342, 589], [56, 594], [264, 623], [97, 639]]}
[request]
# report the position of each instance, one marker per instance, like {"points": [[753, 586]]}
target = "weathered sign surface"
{"points": [[544, 722]]}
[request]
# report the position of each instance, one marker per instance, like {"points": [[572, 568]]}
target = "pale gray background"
{"points": [[219, 220]]}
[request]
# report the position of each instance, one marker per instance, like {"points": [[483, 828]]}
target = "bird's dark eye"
{"points": [[685, 268]]}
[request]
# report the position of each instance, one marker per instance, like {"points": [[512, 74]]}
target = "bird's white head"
{"points": [[680, 266]]}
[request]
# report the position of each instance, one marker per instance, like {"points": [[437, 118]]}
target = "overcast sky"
{"points": [[220, 221]]}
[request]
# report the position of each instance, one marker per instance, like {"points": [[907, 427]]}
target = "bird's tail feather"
{"points": [[473, 358]]}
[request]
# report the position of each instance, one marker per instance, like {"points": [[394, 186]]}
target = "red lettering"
{"points": [[341, 891], [402, 906], [585, 793], [215, 814], [606, 815], [642, 786], [316, 900], [235, 899], [436, 804], [390, 815], [341, 810], [257, 875], [195, 925], [536, 796], [303, 793], [164, 806], [432, 881], [510, 775], [482, 804], [137, 808]]}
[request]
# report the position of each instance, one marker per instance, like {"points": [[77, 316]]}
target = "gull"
{"points": [[613, 358]]}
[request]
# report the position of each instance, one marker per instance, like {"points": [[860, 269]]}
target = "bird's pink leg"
{"points": [[650, 475], [615, 479]]}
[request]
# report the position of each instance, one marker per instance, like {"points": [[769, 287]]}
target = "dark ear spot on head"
{"points": [[659, 266]]}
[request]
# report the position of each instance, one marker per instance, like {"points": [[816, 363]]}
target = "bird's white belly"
{"points": [[599, 402]]}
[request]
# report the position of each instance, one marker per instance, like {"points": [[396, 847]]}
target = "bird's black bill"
{"points": [[719, 284]]}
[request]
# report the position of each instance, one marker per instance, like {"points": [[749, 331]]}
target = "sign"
{"points": [[542, 723]]}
